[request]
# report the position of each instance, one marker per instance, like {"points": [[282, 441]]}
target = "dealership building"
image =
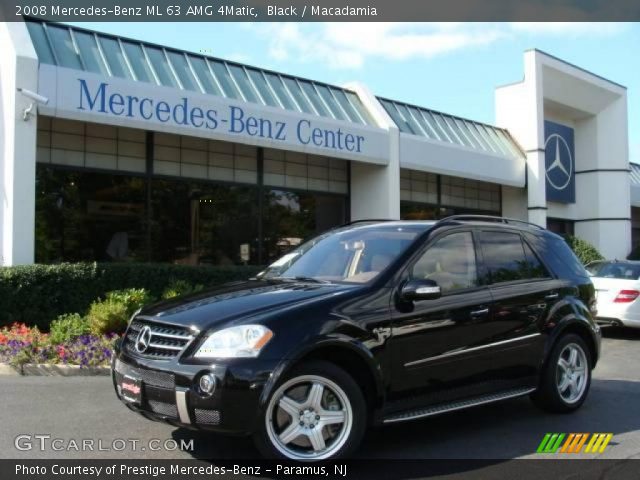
{"points": [[113, 149]]}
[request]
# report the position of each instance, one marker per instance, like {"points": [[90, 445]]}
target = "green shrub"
{"points": [[107, 316], [67, 327], [132, 298], [37, 294], [177, 288], [585, 252]]}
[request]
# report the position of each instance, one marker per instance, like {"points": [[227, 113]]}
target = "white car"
{"points": [[617, 284]]}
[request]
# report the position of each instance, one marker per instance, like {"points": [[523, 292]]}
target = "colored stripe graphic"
{"points": [[574, 442], [550, 443], [598, 442]]}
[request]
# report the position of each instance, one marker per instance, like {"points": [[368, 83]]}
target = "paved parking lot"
{"points": [[86, 408]]}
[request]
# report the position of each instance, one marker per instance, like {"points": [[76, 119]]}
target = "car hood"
{"points": [[230, 302]]}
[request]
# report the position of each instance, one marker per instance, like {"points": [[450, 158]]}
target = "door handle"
{"points": [[552, 296], [479, 313]]}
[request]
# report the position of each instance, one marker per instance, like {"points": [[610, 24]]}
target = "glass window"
{"points": [[203, 224], [396, 117], [263, 87], [445, 128], [138, 62], [450, 262], [245, 86], [364, 113], [409, 119], [314, 98], [204, 75], [333, 106], [346, 106], [462, 126], [161, 67], [63, 46], [460, 135], [222, 74], [45, 55], [89, 51], [296, 91], [349, 254], [429, 118], [536, 268], [115, 59], [504, 256], [278, 87], [83, 216], [430, 133], [181, 67]]}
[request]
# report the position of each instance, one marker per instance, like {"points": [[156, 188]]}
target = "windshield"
{"points": [[352, 254], [621, 270]]}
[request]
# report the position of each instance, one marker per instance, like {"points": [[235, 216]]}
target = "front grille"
{"points": [[162, 342], [210, 417], [163, 408], [148, 377]]}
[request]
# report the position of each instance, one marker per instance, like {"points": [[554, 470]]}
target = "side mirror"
{"points": [[420, 290]]}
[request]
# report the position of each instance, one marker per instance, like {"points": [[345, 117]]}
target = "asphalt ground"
{"points": [[77, 409]]}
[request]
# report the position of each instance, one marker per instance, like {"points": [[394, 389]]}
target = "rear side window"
{"points": [[508, 259], [561, 258], [620, 270]]}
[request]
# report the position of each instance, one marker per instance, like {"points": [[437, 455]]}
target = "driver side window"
{"points": [[450, 262]]}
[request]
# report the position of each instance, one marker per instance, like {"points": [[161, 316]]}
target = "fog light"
{"points": [[207, 383]]}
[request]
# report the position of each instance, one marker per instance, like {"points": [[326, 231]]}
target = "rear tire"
{"points": [[316, 412], [566, 376]]}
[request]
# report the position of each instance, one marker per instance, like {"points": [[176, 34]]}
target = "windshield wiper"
{"points": [[301, 278]]}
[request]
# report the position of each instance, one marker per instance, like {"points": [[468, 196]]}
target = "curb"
{"points": [[49, 370]]}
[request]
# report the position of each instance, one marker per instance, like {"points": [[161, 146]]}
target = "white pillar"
{"points": [[18, 69], [375, 189]]}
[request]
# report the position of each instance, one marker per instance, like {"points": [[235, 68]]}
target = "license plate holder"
{"points": [[131, 389]]}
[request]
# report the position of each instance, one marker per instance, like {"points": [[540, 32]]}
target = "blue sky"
{"points": [[452, 67]]}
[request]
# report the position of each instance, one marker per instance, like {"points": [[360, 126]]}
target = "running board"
{"points": [[458, 405]]}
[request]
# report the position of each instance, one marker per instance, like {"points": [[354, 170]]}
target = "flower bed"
{"points": [[20, 345]]}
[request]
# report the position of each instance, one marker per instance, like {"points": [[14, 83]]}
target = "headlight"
{"points": [[243, 341]]}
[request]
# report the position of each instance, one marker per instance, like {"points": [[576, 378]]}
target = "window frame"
{"points": [[421, 251], [487, 273]]}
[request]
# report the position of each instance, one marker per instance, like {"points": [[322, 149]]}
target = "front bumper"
{"points": [[170, 393]]}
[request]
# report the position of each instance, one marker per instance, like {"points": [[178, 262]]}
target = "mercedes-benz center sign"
{"points": [[559, 162]]}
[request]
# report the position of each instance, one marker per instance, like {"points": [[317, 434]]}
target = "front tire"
{"points": [[566, 376], [316, 412]]}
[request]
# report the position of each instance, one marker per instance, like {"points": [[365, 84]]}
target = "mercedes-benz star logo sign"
{"points": [[560, 171], [144, 339]]}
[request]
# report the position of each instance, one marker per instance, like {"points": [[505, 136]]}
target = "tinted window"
{"points": [[622, 270], [504, 256], [450, 262], [536, 268]]}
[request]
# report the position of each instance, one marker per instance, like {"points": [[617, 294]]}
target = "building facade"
{"points": [[114, 149]]}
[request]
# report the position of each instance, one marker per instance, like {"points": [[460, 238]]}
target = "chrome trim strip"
{"points": [[467, 350], [181, 402], [166, 347], [169, 335], [461, 406]]}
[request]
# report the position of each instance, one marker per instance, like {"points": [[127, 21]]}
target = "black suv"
{"points": [[372, 323]]}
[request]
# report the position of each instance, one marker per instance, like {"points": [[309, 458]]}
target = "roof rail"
{"points": [[365, 220], [486, 218]]}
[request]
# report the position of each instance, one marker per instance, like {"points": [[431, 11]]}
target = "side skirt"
{"points": [[457, 405]]}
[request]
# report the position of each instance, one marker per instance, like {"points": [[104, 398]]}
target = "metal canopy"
{"points": [[112, 56], [450, 129]]}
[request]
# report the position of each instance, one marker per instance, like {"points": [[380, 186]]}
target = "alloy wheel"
{"points": [[309, 418], [572, 373]]}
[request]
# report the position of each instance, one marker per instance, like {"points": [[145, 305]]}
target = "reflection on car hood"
{"points": [[229, 302]]}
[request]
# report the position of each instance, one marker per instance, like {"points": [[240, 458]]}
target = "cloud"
{"points": [[569, 28], [351, 45]]}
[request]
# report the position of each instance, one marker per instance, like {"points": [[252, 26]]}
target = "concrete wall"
{"points": [[18, 69], [597, 111]]}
